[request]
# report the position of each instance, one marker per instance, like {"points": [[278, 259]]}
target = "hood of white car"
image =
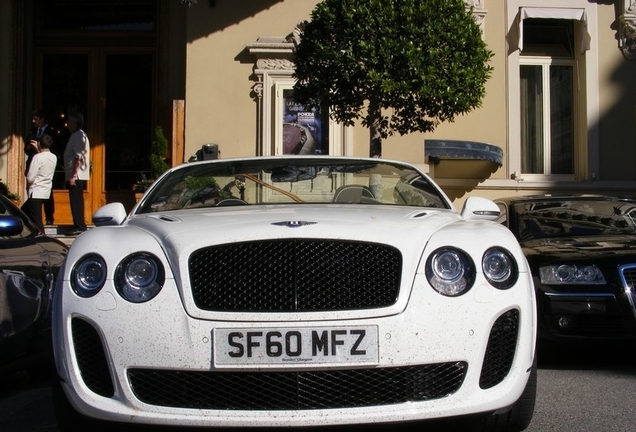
{"points": [[391, 225]]}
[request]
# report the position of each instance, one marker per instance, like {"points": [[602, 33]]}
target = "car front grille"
{"points": [[305, 390], [628, 275], [295, 275]]}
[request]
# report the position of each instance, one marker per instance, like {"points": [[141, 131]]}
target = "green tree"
{"points": [[411, 63]]}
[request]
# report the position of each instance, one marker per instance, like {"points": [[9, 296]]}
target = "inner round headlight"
{"points": [[89, 275], [450, 271], [499, 268], [139, 277]]}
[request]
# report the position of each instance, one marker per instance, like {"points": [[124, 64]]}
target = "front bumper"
{"points": [[152, 363], [575, 316]]}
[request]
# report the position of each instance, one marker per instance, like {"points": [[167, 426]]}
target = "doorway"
{"points": [[113, 89]]}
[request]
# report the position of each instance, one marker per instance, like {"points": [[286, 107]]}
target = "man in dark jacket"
{"points": [[40, 128]]}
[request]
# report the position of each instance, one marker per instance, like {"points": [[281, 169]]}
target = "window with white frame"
{"points": [[553, 94], [547, 105]]}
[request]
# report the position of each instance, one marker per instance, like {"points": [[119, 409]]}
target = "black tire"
{"points": [[520, 414]]}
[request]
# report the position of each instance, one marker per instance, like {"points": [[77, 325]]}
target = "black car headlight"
{"points": [[139, 277], [88, 275], [568, 274], [500, 268], [450, 271]]}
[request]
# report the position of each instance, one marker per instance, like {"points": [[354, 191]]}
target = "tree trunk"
{"points": [[375, 118]]}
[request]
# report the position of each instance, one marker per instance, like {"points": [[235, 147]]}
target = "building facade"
{"points": [[559, 113]]}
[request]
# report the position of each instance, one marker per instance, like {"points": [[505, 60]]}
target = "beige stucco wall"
{"points": [[221, 109], [617, 78], [220, 106]]}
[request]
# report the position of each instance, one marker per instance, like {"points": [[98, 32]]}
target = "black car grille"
{"points": [[629, 276], [629, 279], [91, 358], [500, 351], [295, 275], [304, 390]]}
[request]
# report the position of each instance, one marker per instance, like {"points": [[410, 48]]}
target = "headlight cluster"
{"points": [[89, 275], [500, 268], [451, 272], [138, 278], [565, 274]]}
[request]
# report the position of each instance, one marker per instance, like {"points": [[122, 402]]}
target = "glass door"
{"points": [[127, 122], [64, 89], [114, 91]]}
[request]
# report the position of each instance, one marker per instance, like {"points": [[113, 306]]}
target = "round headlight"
{"points": [[565, 273], [89, 275], [450, 271], [499, 268], [139, 277], [589, 274]]}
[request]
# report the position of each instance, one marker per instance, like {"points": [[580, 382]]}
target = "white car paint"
{"points": [[170, 332]]}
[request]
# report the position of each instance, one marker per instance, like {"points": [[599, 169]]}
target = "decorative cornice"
{"points": [[273, 53], [627, 29], [274, 64]]}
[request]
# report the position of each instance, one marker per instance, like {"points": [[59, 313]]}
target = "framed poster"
{"points": [[304, 130]]}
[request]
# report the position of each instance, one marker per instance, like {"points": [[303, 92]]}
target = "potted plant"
{"points": [[4, 190], [158, 163]]}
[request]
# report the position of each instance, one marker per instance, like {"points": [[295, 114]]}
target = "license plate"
{"points": [[278, 346]]}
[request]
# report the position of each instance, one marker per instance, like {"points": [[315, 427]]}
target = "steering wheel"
{"points": [[231, 202]]}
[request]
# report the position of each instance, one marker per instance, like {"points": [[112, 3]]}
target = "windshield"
{"points": [[272, 181], [538, 219]]}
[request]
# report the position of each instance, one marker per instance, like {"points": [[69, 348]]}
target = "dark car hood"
{"points": [[581, 247]]}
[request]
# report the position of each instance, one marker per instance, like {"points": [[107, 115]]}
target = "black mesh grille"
{"points": [[288, 275], [91, 358], [296, 390], [500, 351]]}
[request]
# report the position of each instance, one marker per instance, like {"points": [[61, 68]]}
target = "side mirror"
{"points": [[10, 226], [110, 214], [477, 208]]}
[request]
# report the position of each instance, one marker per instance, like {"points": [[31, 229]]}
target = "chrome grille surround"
{"points": [[628, 277]]}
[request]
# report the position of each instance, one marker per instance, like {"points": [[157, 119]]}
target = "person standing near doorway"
{"points": [[39, 179], [77, 170], [40, 128]]}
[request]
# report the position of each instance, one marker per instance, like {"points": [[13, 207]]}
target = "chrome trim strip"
{"points": [[630, 291], [596, 295]]}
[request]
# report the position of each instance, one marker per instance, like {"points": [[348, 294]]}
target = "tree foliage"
{"points": [[411, 63]]}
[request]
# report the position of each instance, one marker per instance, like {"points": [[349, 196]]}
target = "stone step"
{"points": [[62, 232]]}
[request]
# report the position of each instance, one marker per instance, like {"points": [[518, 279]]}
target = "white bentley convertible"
{"points": [[295, 291]]}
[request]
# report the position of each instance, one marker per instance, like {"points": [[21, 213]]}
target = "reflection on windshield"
{"points": [[538, 220], [269, 181]]}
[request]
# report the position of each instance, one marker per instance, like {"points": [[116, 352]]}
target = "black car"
{"points": [[582, 254], [29, 262]]}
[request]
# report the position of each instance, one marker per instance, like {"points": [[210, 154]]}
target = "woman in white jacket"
{"points": [[39, 179]]}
